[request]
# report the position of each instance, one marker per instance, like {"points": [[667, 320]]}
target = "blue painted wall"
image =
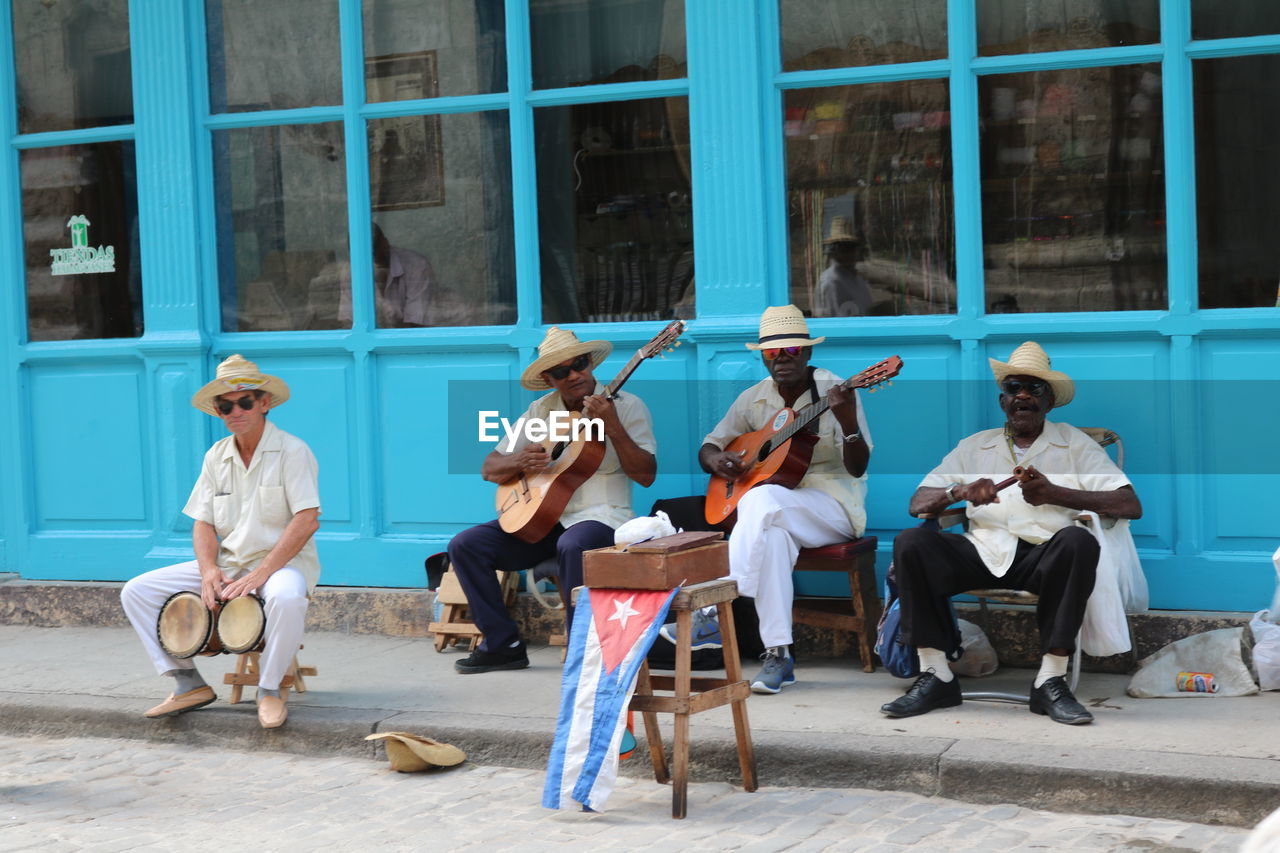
{"points": [[101, 446]]}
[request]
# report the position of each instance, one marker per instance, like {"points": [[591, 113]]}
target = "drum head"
{"points": [[241, 624], [184, 625]]}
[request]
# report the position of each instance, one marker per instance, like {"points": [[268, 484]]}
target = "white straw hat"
{"points": [[237, 373], [783, 326], [1030, 359], [560, 345]]}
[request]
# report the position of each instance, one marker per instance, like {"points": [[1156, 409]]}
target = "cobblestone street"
{"points": [[106, 795]]}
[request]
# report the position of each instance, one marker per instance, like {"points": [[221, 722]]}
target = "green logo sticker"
{"points": [[81, 258]]}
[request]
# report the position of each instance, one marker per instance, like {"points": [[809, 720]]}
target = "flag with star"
{"points": [[613, 630]]}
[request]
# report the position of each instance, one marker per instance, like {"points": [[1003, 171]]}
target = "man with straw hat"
{"points": [[1023, 538], [774, 522], [842, 291], [564, 367], [255, 505]]}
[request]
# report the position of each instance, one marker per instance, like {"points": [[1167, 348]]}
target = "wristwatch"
{"points": [[951, 493], [853, 438]]}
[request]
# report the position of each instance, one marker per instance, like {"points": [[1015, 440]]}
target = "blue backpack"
{"points": [[898, 658]]}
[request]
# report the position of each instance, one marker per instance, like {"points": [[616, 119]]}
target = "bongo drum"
{"points": [[242, 625], [186, 627]]}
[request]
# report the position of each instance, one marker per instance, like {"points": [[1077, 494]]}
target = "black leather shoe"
{"points": [[482, 661], [927, 693], [1054, 699]]}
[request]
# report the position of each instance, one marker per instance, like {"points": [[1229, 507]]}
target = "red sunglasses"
{"points": [[773, 352]]}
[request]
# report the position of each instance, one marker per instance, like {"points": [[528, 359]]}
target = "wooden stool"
{"points": [[692, 695], [861, 612], [455, 625], [246, 675]]}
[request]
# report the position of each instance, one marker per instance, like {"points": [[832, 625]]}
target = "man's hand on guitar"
{"points": [[727, 465], [600, 406], [533, 458], [978, 493], [844, 406]]}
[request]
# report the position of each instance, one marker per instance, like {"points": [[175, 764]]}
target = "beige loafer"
{"points": [[181, 703], [272, 712]]}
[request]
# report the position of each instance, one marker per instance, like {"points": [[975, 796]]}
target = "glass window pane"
{"points": [[1220, 19], [282, 225], [1018, 26], [457, 49], [841, 33], [1237, 187], [80, 230], [606, 41], [272, 56], [442, 224], [72, 63], [615, 211], [1073, 190], [869, 207]]}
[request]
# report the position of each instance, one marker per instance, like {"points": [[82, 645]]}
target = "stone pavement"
{"points": [[1204, 759], [108, 794]]}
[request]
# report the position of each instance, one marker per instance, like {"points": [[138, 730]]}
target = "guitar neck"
{"points": [[804, 417], [611, 390]]}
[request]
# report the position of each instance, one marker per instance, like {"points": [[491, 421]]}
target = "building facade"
{"points": [[386, 202]]}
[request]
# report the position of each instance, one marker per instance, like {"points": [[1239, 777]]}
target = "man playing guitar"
{"points": [[774, 522], [564, 365]]}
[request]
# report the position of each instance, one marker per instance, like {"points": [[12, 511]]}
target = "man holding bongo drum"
{"points": [[256, 505]]}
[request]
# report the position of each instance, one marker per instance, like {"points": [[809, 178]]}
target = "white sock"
{"points": [[1051, 666], [936, 660]]}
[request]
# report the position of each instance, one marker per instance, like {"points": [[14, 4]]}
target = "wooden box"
{"points": [[650, 565]]}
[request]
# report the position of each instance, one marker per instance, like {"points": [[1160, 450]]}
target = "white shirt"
{"points": [[756, 407], [606, 495], [1064, 454], [250, 507]]}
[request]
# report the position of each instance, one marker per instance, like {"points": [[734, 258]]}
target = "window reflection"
{"points": [[1073, 190], [842, 33], [277, 55], [1018, 26], [72, 63], [606, 41], [281, 219], [1237, 189], [615, 211], [80, 229], [1220, 19], [446, 47], [869, 206]]}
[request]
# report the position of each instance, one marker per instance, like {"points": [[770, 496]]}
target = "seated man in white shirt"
{"points": [[256, 505], [1022, 538], [774, 522]]}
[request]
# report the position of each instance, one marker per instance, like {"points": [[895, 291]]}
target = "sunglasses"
{"points": [[1036, 387], [773, 352], [560, 371], [246, 402]]}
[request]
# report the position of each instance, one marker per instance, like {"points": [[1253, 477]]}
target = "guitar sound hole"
{"points": [[765, 450], [557, 450]]}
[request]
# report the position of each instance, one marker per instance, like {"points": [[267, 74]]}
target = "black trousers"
{"points": [[931, 566], [480, 552]]}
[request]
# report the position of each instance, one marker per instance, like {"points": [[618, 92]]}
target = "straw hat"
{"points": [[561, 345], [1030, 359], [841, 231], [783, 326], [237, 373], [410, 753]]}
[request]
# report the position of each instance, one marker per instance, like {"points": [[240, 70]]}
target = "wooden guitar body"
{"points": [[779, 463], [530, 505]]}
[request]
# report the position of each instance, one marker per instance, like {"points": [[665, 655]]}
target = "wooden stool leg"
{"points": [[680, 748], [242, 668], [732, 673], [652, 735], [299, 686]]}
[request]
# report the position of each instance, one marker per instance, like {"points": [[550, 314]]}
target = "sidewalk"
{"points": [[1208, 760]]}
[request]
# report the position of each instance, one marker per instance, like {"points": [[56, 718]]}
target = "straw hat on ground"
{"points": [[237, 373], [1030, 359], [561, 345], [410, 753], [783, 326]]}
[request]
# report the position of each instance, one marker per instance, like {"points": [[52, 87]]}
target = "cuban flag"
{"points": [[613, 630]]}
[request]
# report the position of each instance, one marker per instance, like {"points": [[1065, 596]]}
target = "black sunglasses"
{"points": [[246, 402], [1036, 387], [560, 371]]}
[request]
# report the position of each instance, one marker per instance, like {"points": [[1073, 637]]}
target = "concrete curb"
{"points": [[1204, 789]]}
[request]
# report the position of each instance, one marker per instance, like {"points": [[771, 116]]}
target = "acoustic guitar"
{"points": [[529, 505], [779, 453]]}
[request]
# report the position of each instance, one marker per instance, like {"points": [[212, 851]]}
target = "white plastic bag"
{"points": [[1120, 588], [1273, 615], [1266, 651], [644, 528], [979, 658], [1216, 652]]}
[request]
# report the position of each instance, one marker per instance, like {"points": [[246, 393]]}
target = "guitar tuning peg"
{"points": [[679, 342]]}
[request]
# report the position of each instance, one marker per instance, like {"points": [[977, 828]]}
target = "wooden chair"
{"points": [[246, 675], [861, 612], [456, 626]]}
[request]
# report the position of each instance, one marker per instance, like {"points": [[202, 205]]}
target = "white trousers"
{"points": [[284, 600], [774, 523]]}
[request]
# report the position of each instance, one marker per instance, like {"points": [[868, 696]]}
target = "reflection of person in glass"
{"points": [[403, 283], [842, 292]]}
